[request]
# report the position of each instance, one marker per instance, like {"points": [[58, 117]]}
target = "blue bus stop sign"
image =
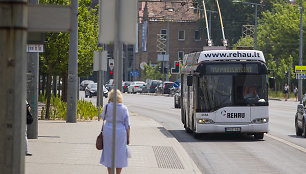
{"points": [[176, 84]]}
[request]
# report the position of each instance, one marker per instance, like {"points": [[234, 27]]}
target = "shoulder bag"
{"points": [[99, 141]]}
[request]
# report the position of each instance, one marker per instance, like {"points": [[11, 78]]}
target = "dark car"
{"points": [[165, 88], [152, 85], [300, 119], [125, 86], [91, 90], [84, 84]]}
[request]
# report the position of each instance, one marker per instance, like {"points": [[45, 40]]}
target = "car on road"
{"points": [[84, 84], [136, 86], [91, 90], [165, 88], [109, 84], [300, 119], [152, 85], [125, 86]]}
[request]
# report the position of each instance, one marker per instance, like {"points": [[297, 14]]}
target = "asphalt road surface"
{"points": [[279, 152]]}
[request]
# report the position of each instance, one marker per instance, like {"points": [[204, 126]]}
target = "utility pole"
{"points": [[73, 66], [32, 88], [300, 82], [13, 60]]}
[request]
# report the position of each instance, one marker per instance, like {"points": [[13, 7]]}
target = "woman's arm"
{"points": [[128, 135]]}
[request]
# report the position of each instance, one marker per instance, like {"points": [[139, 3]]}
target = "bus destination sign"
{"points": [[231, 68]]}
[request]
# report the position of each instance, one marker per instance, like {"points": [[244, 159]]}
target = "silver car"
{"points": [[136, 86]]}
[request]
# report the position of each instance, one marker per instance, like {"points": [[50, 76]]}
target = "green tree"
{"points": [[152, 72], [278, 38], [55, 58]]}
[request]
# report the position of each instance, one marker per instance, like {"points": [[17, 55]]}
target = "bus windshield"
{"points": [[217, 91]]}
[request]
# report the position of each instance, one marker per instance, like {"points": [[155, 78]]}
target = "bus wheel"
{"points": [[258, 136]]}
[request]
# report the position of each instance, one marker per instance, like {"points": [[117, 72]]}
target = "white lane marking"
{"points": [[288, 143]]}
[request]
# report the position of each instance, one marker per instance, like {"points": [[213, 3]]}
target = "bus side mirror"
{"points": [[272, 82], [189, 80]]}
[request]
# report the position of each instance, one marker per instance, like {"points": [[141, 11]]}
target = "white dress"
{"points": [[122, 124]]}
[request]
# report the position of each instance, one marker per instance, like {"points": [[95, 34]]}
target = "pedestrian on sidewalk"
{"points": [[28, 107], [295, 92], [122, 133], [286, 91]]}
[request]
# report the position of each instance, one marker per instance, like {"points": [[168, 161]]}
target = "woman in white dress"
{"points": [[122, 133]]}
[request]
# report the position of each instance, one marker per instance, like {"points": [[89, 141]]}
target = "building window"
{"points": [[180, 55], [197, 35], [163, 33], [181, 35]]}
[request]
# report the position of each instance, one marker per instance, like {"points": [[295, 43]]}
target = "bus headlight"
{"points": [[205, 121], [260, 120]]}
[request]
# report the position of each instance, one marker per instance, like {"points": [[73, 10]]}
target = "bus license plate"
{"points": [[233, 129]]}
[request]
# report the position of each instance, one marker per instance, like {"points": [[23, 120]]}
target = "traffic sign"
{"points": [[300, 69], [176, 84], [134, 73], [300, 75]]}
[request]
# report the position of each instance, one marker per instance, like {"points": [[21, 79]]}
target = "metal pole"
{"points": [[13, 61], [255, 35], [117, 53], [300, 82], [73, 66], [167, 49], [32, 88]]}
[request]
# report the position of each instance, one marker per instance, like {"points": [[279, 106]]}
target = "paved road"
{"points": [[280, 151]]}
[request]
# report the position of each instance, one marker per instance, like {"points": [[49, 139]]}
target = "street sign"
{"points": [[300, 69], [100, 60], [163, 57], [176, 84], [111, 63], [134, 73], [35, 48], [300, 75]]}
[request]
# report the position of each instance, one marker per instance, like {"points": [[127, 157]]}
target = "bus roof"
{"points": [[228, 55]]}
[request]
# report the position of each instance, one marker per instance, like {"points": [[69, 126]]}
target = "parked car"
{"points": [[177, 98], [152, 85], [91, 90], [300, 119], [109, 85], [84, 84], [165, 88], [136, 86], [125, 86]]}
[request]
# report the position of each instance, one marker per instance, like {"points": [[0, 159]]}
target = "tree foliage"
{"points": [[278, 38]]}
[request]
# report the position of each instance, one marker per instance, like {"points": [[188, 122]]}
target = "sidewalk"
{"points": [[69, 148]]}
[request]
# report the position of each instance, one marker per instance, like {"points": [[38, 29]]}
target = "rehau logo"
{"points": [[235, 115], [223, 113]]}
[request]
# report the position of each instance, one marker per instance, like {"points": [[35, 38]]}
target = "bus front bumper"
{"points": [[232, 128]]}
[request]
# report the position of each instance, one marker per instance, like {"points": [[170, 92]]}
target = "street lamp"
{"points": [[255, 4]]}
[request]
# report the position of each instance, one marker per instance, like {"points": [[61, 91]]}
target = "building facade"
{"points": [[161, 19]]}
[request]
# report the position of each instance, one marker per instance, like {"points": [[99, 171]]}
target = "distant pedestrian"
{"points": [[122, 133], [286, 91], [28, 107], [295, 92]]}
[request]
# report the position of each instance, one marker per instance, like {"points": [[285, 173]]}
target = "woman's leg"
{"points": [[109, 170], [118, 170]]}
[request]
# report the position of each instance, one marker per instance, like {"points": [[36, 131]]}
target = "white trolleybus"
{"points": [[225, 91]]}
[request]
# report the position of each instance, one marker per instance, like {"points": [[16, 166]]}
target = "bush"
{"points": [[58, 109]]}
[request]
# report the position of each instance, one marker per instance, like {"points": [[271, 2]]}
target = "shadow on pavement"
{"points": [[182, 136], [295, 136]]}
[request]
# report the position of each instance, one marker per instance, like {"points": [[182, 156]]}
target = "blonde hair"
{"points": [[111, 96]]}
